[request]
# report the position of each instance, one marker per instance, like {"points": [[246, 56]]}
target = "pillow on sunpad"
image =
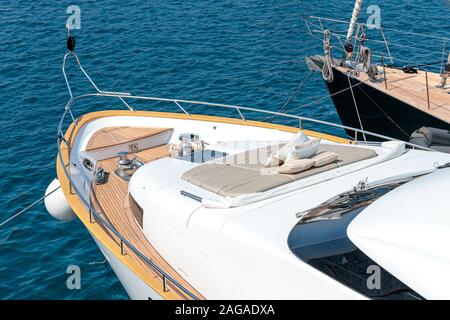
{"points": [[298, 139], [273, 161], [324, 158], [304, 150], [296, 166], [282, 154]]}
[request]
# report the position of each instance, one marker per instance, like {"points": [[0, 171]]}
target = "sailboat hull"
{"points": [[376, 111]]}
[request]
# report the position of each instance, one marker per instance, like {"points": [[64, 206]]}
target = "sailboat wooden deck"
{"points": [[407, 99], [415, 89]]}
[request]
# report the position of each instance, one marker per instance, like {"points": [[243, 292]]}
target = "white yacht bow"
{"points": [[184, 205]]}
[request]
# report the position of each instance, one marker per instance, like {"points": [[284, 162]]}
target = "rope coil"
{"points": [[327, 68]]}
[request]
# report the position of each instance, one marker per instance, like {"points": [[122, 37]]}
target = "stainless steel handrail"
{"points": [[306, 18], [318, 27], [110, 227], [239, 109]]}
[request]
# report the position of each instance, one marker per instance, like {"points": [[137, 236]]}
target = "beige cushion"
{"points": [[304, 150], [273, 161], [324, 158], [296, 166], [298, 139]]}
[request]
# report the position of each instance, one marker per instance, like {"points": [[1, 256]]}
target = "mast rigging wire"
{"points": [[292, 96], [356, 107], [320, 98]]}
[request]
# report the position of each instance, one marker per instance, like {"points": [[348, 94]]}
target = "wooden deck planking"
{"points": [[112, 136], [111, 200], [411, 88]]}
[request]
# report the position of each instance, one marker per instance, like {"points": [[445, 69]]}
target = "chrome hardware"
{"points": [[189, 143], [362, 185], [190, 137], [126, 167], [441, 166], [136, 162], [187, 139], [88, 164], [190, 195], [132, 148], [99, 176], [123, 158]]}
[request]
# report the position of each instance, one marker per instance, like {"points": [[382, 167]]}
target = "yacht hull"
{"points": [[136, 288]]}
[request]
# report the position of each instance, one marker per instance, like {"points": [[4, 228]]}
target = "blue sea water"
{"points": [[244, 52]]}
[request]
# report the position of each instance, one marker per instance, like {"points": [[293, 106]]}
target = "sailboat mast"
{"points": [[355, 15]]}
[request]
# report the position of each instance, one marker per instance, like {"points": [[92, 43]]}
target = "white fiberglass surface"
{"points": [[408, 231], [211, 132], [222, 136], [251, 239]]}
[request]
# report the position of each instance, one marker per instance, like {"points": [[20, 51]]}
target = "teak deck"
{"points": [[112, 136], [111, 200], [412, 89]]}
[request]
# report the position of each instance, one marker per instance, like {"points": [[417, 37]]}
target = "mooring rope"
{"points": [[8, 201], [327, 68], [27, 208]]}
